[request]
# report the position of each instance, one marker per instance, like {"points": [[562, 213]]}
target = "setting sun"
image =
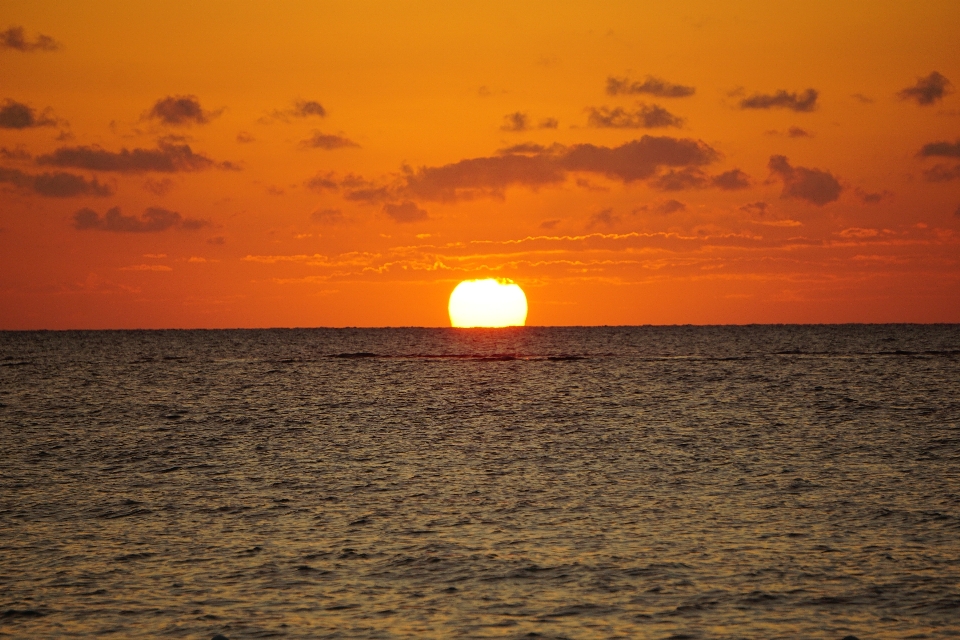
{"points": [[488, 303]]}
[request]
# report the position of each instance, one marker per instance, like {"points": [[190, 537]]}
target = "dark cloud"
{"points": [[940, 149], [158, 187], [153, 220], [813, 185], [166, 158], [531, 166], [406, 211], [927, 90], [797, 132], [14, 38], [872, 198], [680, 179], [604, 218], [55, 185], [180, 111], [862, 98], [300, 109], [517, 121], [806, 101], [322, 182], [306, 108], [652, 86], [942, 173], [645, 117], [670, 206], [523, 147], [476, 177], [549, 224], [327, 141], [637, 159], [758, 208], [217, 240], [244, 138], [731, 180], [957, 211], [19, 153], [16, 115], [327, 216]]}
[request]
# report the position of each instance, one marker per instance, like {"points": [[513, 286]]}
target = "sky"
{"points": [[299, 164]]}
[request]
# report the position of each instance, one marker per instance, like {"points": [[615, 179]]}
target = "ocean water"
{"points": [[644, 482]]}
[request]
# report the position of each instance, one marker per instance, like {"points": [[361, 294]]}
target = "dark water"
{"points": [[678, 482]]}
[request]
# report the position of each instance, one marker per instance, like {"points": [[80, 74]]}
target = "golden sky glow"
{"points": [[178, 164]]}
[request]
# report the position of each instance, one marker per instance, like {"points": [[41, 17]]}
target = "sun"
{"points": [[494, 302]]}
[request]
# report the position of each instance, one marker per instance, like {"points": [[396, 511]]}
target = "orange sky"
{"points": [[175, 164]]}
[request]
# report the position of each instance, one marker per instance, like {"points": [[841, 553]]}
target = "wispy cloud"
{"points": [[804, 101], [55, 185], [15, 38], [153, 220], [651, 86], [643, 117]]}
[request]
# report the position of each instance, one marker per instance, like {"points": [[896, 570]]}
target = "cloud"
{"points": [[327, 141], [300, 109], [859, 97], [549, 224], [153, 220], [244, 138], [806, 101], [940, 149], [758, 208], [217, 240], [813, 185], [604, 218], [652, 86], [532, 166], [16, 115], [797, 132], [306, 108], [670, 206], [180, 111], [927, 90], [637, 159], [678, 180], [159, 187], [731, 180], [942, 173], [55, 185], [523, 147], [14, 38], [327, 216], [476, 177], [631, 161], [166, 158], [405, 212], [519, 121], [957, 212], [645, 117], [18, 153], [872, 198]]}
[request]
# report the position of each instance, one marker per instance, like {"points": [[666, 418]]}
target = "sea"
{"points": [[678, 482]]}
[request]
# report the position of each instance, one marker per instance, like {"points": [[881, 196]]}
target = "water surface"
{"points": [[649, 482]]}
